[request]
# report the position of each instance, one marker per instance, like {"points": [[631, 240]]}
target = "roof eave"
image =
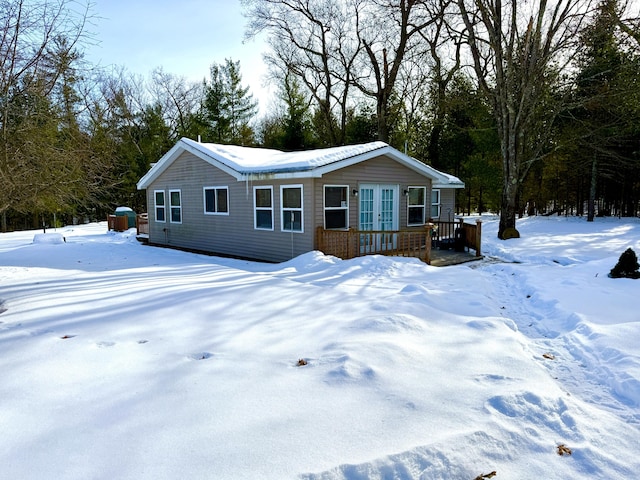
{"points": [[448, 185], [169, 157], [438, 178]]}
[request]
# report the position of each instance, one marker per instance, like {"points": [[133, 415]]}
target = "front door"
{"points": [[378, 213]]}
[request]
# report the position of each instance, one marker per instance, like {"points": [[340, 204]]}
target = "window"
{"points": [[216, 201], [291, 208], [416, 205], [159, 206], [175, 203], [263, 206], [336, 206], [435, 203]]}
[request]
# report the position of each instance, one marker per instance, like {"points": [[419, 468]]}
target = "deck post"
{"points": [[319, 245], [478, 238], [427, 243]]}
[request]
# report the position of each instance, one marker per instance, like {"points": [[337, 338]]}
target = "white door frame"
{"points": [[378, 209]]}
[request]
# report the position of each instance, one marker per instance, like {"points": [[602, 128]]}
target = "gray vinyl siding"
{"points": [[380, 170], [447, 204], [232, 234]]}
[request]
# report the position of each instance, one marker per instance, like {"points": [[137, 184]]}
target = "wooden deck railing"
{"points": [[471, 234], [142, 224], [353, 243]]}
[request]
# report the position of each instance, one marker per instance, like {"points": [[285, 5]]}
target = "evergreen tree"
{"points": [[290, 127], [228, 107], [604, 120]]}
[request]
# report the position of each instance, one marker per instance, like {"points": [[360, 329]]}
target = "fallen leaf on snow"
{"points": [[486, 475], [563, 450]]}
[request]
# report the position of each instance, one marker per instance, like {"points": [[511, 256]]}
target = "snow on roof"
{"points": [[252, 162], [249, 160]]}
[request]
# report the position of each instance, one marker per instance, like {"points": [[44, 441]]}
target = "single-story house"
{"points": [[267, 205]]}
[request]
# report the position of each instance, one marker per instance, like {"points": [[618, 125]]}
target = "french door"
{"points": [[378, 213]]}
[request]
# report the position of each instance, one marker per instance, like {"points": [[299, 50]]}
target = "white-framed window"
{"points": [[175, 206], [291, 208], [160, 206], [216, 200], [263, 208], [336, 206], [416, 205], [435, 203]]}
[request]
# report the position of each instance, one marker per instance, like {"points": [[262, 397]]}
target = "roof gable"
{"points": [[246, 163]]}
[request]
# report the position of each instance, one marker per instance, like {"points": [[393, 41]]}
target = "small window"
{"points": [[435, 203], [263, 207], [416, 205], [216, 200], [291, 208], [175, 203], [336, 206], [160, 206]]}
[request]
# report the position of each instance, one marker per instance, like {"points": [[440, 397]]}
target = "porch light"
{"points": [[406, 193], [354, 192]]}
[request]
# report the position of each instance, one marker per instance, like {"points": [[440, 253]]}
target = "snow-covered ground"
{"points": [[124, 361]]}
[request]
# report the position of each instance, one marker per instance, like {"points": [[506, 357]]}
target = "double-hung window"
{"points": [[216, 200], [416, 205], [263, 208], [336, 206], [175, 205], [160, 206], [291, 208], [435, 203]]}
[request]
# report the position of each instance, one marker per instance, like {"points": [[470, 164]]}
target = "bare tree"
{"points": [[444, 41], [179, 99], [389, 32], [315, 41], [627, 18], [32, 33], [518, 49]]}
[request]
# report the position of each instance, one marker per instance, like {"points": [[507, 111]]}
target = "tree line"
{"points": [[535, 105]]}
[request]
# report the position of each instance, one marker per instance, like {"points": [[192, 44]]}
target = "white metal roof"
{"points": [[245, 163]]}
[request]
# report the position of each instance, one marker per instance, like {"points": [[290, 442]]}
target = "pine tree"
{"points": [[228, 107], [627, 266]]}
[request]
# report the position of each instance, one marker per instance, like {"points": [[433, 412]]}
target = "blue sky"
{"points": [[184, 37]]}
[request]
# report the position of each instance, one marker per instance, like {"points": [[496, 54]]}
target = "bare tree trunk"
{"points": [[508, 210], [518, 49]]}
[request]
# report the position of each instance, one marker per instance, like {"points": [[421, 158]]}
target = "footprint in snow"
{"points": [[105, 344], [37, 333], [200, 356]]}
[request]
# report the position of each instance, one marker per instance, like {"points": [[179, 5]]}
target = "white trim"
{"points": [[171, 206], [292, 209], [256, 208], [377, 189], [306, 169], [424, 205], [340, 208], [215, 193], [155, 206], [437, 204]]}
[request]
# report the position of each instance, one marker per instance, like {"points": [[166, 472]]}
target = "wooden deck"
{"points": [[445, 258], [438, 243]]}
